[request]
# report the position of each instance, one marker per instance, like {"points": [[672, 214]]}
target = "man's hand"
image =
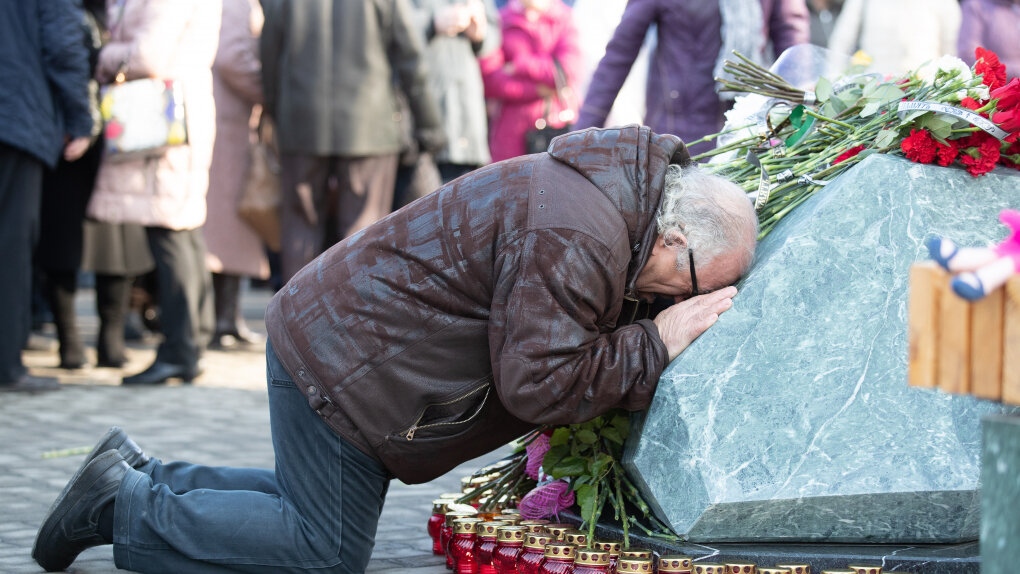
{"points": [[76, 148], [680, 324]]}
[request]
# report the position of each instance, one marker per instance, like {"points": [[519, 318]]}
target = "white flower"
{"points": [[938, 71]]}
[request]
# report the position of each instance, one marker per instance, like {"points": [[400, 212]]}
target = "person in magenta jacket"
{"points": [[681, 98], [992, 25], [538, 36]]}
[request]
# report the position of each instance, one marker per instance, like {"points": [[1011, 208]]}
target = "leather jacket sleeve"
{"points": [[558, 357]]}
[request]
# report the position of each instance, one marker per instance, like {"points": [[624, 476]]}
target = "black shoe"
{"points": [[31, 384], [72, 524], [118, 440], [110, 362], [159, 372]]}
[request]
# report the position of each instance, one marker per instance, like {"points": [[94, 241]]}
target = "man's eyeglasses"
{"points": [[694, 276]]}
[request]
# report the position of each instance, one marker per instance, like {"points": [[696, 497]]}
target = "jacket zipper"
{"points": [[409, 433]]}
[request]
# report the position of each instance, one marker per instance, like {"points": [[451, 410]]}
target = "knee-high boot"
{"points": [[111, 303], [60, 289], [231, 330]]}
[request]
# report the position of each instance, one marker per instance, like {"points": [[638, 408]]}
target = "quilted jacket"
{"points": [[486, 308]]}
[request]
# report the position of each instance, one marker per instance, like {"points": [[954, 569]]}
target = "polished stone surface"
{"points": [[791, 419], [1000, 495]]}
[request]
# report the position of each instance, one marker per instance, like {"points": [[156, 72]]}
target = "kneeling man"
{"points": [[510, 298]]}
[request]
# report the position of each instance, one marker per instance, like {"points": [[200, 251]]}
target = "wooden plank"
{"points": [[1011, 352], [926, 282], [986, 344], [953, 342]]}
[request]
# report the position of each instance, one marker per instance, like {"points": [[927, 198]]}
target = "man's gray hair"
{"points": [[713, 213]]}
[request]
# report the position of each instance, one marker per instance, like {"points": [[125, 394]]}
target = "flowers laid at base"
{"points": [[784, 143]]}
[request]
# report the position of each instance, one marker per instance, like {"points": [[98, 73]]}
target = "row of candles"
{"points": [[502, 543]]}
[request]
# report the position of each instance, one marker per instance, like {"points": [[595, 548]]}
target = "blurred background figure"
{"points": [[65, 194], [993, 25], [823, 19], [596, 20], [533, 75], [235, 252], [327, 72], [44, 108], [694, 38], [898, 36], [457, 33], [166, 191]]}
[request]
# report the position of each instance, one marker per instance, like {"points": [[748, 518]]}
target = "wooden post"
{"points": [[986, 344], [927, 281], [1011, 352], [954, 342]]}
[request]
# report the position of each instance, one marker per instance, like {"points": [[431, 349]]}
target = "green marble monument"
{"points": [[791, 419], [1000, 495]]}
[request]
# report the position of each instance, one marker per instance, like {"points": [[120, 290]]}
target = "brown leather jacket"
{"points": [[486, 308]]}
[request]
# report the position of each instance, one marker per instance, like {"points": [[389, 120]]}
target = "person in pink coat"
{"points": [[539, 43]]}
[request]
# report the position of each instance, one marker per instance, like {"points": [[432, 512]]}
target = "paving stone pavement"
{"points": [[222, 419]]}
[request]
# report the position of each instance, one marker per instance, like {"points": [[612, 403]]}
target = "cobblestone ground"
{"points": [[221, 419]]}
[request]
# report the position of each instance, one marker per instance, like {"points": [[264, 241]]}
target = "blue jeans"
{"points": [[317, 512]]}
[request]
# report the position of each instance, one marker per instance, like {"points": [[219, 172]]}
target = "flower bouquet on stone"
{"points": [[783, 143]]}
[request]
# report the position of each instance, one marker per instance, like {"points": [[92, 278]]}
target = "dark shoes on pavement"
{"points": [[31, 384], [72, 524], [160, 372], [118, 440]]}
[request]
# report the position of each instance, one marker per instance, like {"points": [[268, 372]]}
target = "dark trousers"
{"points": [[315, 214], [184, 294], [317, 512], [21, 177]]}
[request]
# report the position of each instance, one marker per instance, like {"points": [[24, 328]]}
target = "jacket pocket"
{"points": [[448, 417]]}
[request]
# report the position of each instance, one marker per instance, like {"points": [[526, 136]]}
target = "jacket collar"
{"points": [[629, 166]]}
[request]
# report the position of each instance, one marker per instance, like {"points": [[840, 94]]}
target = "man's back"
{"points": [[329, 69]]}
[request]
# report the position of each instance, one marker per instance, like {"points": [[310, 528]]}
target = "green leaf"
{"points": [[587, 495], [939, 127], [887, 93], [886, 138], [559, 436], [602, 463], [569, 466], [870, 109], [823, 90], [586, 436], [621, 423], [911, 116], [554, 455], [610, 433]]}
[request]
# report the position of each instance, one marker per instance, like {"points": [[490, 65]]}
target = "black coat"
{"points": [[328, 70], [43, 76]]}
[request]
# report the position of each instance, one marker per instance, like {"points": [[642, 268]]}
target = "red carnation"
{"points": [[919, 146], [979, 152], [945, 153], [970, 103], [848, 154], [992, 72]]}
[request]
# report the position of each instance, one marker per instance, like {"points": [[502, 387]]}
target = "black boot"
{"points": [[112, 304], [231, 330], [60, 289]]}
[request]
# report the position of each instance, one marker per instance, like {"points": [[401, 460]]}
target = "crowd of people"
{"points": [[373, 104]]}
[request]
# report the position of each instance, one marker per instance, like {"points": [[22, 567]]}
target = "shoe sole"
{"points": [[73, 491]]}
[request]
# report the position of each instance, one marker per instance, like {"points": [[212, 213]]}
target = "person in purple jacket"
{"points": [[694, 39], [993, 25]]}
